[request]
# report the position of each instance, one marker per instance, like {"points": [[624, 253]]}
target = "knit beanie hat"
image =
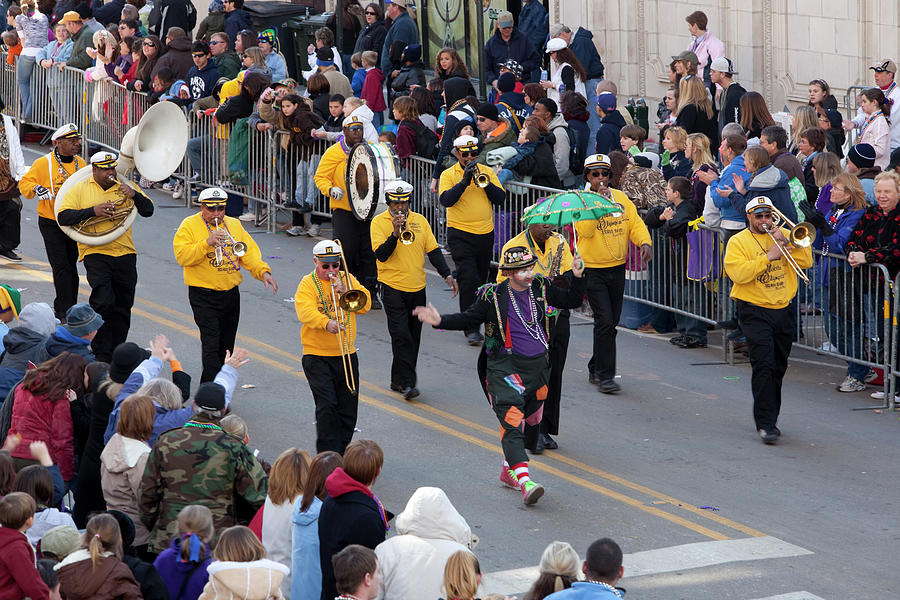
{"points": [[862, 155], [506, 82]]}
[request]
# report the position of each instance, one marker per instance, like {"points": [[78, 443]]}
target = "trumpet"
{"points": [[482, 180], [238, 248], [407, 237], [801, 235], [350, 300]]}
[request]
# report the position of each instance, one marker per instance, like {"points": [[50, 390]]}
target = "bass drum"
{"points": [[371, 168]]}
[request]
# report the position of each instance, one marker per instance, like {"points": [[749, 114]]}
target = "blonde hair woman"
{"points": [[673, 160], [462, 576], [695, 109], [805, 117], [241, 570], [559, 568], [698, 152]]}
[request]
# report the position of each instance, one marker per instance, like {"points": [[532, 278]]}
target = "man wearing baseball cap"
{"points": [[764, 285], [355, 236], [508, 42], [212, 248], [328, 336], [112, 265], [721, 73], [42, 181], [884, 72]]}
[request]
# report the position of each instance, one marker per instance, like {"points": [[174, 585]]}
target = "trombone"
{"points": [[407, 237], [350, 300], [801, 235]]}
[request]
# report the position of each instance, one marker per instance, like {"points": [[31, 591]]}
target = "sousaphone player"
{"points": [[112, 266]]}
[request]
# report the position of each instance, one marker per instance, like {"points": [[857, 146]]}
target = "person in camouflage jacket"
{"points": [[199, 463]]}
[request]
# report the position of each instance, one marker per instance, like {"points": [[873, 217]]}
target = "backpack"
{"points": [[577, 153], [427, 141]]}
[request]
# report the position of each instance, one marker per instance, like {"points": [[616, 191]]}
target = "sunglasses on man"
{"points": [[599, 173], [329, 266], [214, 207], [467, 153]]}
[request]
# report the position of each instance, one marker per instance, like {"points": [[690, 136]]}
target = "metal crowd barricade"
{"points": [[288, 174], [9, 89]]}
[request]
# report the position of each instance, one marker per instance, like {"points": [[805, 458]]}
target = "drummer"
{"points": [[401, 238], [352, 233]]}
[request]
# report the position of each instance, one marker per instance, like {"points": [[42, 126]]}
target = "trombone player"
{"points": [[764, 266], [212, 248], [401, 238], [327, 302], [111, 267]]}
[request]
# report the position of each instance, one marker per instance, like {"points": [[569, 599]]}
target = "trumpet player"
{"points": [[328, 337], [764, 284], [111, 267], [553, 260], [212, 249], [42, 181], [401, 238], [469, 193]]}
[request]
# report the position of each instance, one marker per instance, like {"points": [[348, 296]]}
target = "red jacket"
{"points": [[406, 139], [18, 575], [372, 92], [38, 419]]}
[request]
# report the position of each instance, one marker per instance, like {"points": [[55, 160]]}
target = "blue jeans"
{"points": [[24, 71], [593, 118], [378, 121], [634, 313], [195, 153]]}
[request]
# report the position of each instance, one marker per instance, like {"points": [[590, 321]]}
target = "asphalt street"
{"points": [[671, 468]]}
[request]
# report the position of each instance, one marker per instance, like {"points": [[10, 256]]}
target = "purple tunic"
{"points": [[523, 343]]}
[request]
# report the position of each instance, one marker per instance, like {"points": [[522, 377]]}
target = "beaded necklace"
{"points": [[60, 167], [202, 425], [328, 314], [224, 248], [534, 251], [868, 122], [606, 586], [532, 325]]}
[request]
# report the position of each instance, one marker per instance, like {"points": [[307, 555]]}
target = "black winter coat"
{"points": [[172, 13], [88, 492], [372, 38], [694, 120], [731, 107], [540, 166]]}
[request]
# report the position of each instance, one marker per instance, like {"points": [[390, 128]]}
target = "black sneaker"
{"points": [[679, 340], [769, 436], [691, 341], [10, 256], [410, 393], [474, 338], [609, 387]]}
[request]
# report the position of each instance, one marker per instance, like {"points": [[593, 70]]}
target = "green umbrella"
{"points": [[568, 207]]}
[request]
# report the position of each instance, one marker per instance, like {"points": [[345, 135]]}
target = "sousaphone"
{"points": [[156, 146]]}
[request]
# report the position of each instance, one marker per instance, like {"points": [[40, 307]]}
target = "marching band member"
{"points": [[352, 233], [764, 285], [552, 260], [604, 245], [470, 221], [208, 245], [401, 238], [111, 267], [516, 330], [43, 180], [321, 334]]}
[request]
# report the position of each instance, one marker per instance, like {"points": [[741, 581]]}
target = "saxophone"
{"points": [[556, 261]]}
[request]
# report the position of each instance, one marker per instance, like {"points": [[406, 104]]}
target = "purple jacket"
{"points": [[173, 571]]}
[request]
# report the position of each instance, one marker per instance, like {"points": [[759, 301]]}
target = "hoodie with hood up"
{"points": [[771, 182], [122, 465], [455, 90], [370, 134], [350, 514], [429, 530], [111, 579], [25, 343], [255, 580], [177, 57]]}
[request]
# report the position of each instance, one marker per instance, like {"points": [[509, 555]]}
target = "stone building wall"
{"points": [[777, 46]]}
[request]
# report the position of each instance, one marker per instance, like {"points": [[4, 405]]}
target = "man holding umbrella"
{"points": [[516, 340], [604, 245], [553, 260]]}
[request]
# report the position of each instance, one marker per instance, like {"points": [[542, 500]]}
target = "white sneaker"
{"points": [[247, 217], [313, 230], [879, 395], [195, 177], [871, 376], [828, 347], [178, 192], [296, 230], [169, 187], [852, 384]]}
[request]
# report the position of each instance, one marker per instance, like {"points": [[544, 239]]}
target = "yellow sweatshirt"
{"points": [[45, 171], [603, 242], [473, 212], [404, 270], [757, 280], [198, 258], [332, 172], [554, 244], [315, 309]]}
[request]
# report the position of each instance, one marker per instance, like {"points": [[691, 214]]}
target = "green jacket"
{"points": [[228, 64], [80, 42], [197, 464], [501, 137]]}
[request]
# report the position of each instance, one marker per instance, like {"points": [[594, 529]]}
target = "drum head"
{"points": [[370, 168]]}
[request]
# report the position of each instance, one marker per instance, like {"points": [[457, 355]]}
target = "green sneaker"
{"points": [[531, 492]]}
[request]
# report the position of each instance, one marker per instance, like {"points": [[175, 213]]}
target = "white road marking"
{"points": [[666, 560], [793, 596]]}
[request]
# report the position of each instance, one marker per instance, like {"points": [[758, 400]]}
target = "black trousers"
{"points": [[471, 254], [605, 291], [10, 225], [336, 407], [112, 279], [557, 352], [356, 238], [405, 330], [62, 254], [769, 335], [216, 314]]}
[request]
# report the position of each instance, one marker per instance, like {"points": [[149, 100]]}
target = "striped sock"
{"points": [[505, 464], [521, 471]]}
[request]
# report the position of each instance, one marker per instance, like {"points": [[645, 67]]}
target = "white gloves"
{"points": [[41, 192], [336, 193]]}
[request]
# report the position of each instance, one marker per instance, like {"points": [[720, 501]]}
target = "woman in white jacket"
{"points": [[411, 564]]}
